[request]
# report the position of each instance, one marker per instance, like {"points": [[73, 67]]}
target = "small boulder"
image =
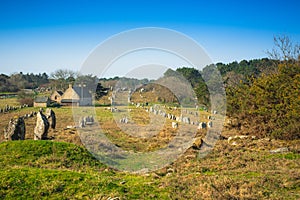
{"points": [[280, 150]]}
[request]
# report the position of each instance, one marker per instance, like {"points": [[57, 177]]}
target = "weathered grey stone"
{"points": [[174, 125], [50, 114], [84, 120], [15, 130], [209, 124], [42, 126], [92, 119], [186, 120], [280, 150], [89, 120], [173, 117], [151, 109], [124, 120], [81, 123], [239, 137], [202, 125]]}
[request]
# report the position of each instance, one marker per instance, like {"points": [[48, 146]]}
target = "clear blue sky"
{"points": [[42, 36]]}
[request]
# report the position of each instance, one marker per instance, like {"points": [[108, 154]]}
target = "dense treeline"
{"points": [[17, 81], [235, 72]]}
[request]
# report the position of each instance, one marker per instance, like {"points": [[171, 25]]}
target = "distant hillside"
{"points": [[122, 82], [153, 92]]}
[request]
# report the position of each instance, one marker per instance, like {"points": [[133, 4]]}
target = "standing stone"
{"points": [[174, 125], [92, 119], [202, 125], [81, 123], [15, 130], [151, 109], [89, 120], [50, 114], [84, 120], [41, 128], [124, 120], [186, 120], [173, 117], [210, 124]]}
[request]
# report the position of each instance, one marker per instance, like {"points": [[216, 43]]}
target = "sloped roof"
{"points": [[60, 92], [41, 99], [76, 92], [82, 92], [70, 93]]}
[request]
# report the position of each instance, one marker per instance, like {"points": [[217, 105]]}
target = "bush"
{"points": [[269, 105], [26, 100]]}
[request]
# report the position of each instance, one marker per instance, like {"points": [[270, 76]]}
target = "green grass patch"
{"points": [[57, 170], [46, 154], [288, 156]]}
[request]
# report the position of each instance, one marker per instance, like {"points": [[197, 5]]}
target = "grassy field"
{"points": [[61, 168], [8, 101]]}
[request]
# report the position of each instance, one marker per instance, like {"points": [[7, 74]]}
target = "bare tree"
{"points": [[63, 74], [62, 77], [284, 50]]}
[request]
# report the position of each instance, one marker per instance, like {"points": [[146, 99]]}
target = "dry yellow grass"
{"points": [[9, 101]]}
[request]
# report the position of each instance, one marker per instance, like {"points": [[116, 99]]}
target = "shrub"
{"points": [[26, 100], [269, 105]]}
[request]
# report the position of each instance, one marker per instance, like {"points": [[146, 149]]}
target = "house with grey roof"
{"points": [[41, 101]]}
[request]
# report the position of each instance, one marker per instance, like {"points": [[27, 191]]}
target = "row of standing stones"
{"points": [[181, 118], [16, 128], [8, 108]]}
